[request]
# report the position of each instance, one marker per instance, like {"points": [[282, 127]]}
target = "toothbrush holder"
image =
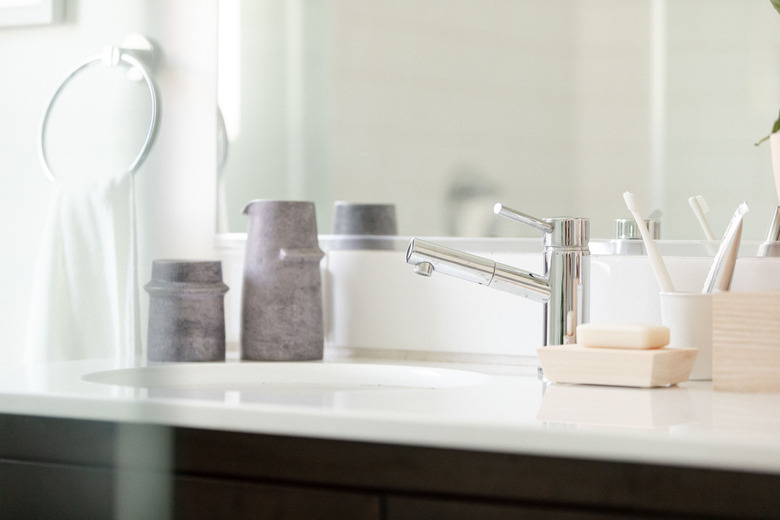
{"points": [[689, 318]]}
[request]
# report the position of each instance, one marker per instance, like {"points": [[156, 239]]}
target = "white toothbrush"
{"points": [[700, 207], [656, 262]]}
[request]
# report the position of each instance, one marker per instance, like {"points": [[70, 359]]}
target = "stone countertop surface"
{"points": [[505, 409]]}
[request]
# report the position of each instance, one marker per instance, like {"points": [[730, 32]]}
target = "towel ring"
{"points": [[111, 56]]}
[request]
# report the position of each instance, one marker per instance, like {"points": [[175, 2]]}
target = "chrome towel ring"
{"points": [[134, 51]]}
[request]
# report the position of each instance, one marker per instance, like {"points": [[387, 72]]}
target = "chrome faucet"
{"points": [[564, 288]]}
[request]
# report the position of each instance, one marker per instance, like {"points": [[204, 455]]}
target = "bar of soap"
{"points": [[622, 335]]}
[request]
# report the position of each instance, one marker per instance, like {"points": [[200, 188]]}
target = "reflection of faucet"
{"points": [[564, 288], [465, 198]]}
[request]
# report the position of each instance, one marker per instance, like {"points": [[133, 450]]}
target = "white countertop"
{"points": [[509, 411]]}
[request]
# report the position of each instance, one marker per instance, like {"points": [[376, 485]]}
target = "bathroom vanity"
{"points": [[85, 440]]}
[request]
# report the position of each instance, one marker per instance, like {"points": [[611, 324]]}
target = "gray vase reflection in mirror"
{"points": [[281, 306], [363, 226], [186, 311]]}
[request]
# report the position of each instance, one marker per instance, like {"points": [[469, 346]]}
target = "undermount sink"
{"points": [[270, 375]]}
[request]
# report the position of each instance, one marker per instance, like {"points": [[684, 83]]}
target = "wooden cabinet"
{"points": [[68, 468]]}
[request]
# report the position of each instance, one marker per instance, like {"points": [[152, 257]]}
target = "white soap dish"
{"points": [[643, 368]]}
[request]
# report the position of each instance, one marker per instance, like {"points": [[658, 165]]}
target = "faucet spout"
{"points": [[564, 289], [429, 258]]}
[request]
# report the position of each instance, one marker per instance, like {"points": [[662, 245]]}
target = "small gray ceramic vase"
{"points": [[350, 218], [363, 226], [281, 307], [186, 311]]}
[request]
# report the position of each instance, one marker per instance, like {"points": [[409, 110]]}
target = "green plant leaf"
{"points": [[776, 4], [776, 126]]}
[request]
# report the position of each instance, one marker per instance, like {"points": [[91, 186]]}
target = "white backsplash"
{"points": [[375, 303]]}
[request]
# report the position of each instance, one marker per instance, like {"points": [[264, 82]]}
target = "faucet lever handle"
{"points": [[512, 214]]}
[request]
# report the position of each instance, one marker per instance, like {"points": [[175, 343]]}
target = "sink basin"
{"points": [[264, 376]]}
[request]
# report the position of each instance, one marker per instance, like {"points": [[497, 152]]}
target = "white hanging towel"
{"points": [[83, 302]]}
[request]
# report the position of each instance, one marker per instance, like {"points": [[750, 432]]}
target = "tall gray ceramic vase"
{"points": [[281, 308]]}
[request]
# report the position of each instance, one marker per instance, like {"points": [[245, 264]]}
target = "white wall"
{"points": [[176, 184]]}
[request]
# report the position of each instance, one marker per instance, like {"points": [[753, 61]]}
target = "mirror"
{"points": [[444, 107]]}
